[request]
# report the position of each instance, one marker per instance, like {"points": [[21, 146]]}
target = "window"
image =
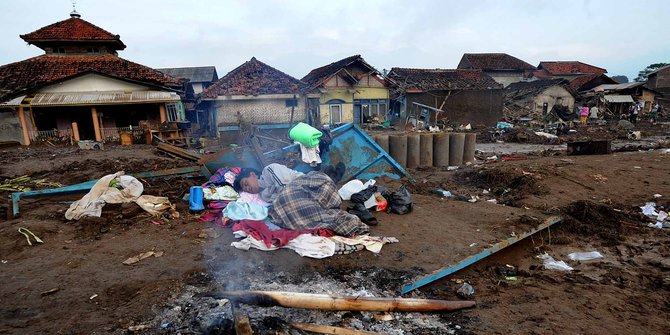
{"points": [[335, 114], [371, 110]]}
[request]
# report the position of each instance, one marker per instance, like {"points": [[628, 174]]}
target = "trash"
{"points": [[472, 245], [352, 187], [511, 278], [443, 193], [400, 202], [665, 151], [551, 264], [493, 201], [138, 328], [507, 270], [89, 144], [492, 158], [584, 256], [383, 317], [49, 292], [662, 216], [504, 125], [195, 199], [27, 233], [658, 225], [452, 168], [137, 258], [25, 184], [635, 135], [93, 297], [599, 178], [543, 134], [166, 325], [657, 195], [465, 291], [649, 209]]}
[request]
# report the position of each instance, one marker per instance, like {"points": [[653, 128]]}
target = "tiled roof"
{"points": [[254, 78], [579, 84], [570, 67], [73, 29], [44, 70], [319, 75], [199, 74], [493, 61], [441, 79]]}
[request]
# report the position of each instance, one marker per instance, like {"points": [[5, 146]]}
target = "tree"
{"points": [[620, 79], [642, 75]]}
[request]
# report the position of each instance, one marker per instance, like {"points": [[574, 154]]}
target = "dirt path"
{"points": [[626, 292]]}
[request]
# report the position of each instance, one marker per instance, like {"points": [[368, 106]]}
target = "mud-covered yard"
{"points": [[75, 282]]}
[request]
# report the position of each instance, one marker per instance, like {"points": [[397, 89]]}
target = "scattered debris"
{"points": [[139, 257], [465, 291], [551, 264], [584, 256], [330, 329], [27, 233], [178, 152], [50, 292]]}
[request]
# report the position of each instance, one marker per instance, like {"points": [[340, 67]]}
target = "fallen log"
{"points": [[330, 329], [330, 303]]}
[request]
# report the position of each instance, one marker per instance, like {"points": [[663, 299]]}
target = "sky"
{"points": [[296, 36]]}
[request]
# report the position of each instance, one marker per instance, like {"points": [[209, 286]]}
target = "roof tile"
{"points": [[570, 67], [73, 29], [441, 79], [493, 61]]}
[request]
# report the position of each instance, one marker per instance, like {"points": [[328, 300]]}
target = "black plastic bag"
{"points": [[399, 202]]}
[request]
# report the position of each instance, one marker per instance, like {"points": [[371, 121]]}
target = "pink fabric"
{"points": [[252, 198], [278, 238], [584, 111]]}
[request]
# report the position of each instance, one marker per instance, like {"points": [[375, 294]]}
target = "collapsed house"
{"points": [[255, 93], [351, 90], [198, 79], [616, 98], [80, 88], [582, 76], [534, 99], [503, 68], [426, 96]]}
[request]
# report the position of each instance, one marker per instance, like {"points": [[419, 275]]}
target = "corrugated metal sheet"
{"points": [[102, 98], [617, 99], [13, 103]]}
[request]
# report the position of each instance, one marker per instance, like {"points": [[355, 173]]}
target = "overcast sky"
{"points": [[297, 36]]}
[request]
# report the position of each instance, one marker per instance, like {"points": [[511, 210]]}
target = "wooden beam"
{"points": [[162, 112], [331, 329], [24, 127], [96, 124]]}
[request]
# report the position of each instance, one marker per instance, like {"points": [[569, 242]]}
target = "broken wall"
{"points": [[258, 111], [478, 107], [10, 126]]}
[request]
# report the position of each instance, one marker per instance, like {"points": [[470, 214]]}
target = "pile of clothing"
{"points": [[298, 219]]}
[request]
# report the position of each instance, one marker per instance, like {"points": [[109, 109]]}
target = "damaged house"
{"points": [[534, 99], [350, 90], [457, 96], [582, 77], [659, 81], [80, 88], [503, 68], [255, 93], [198, 79], [618, 97]]}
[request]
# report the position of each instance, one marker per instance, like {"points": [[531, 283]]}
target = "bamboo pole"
{"points": [[331, 329], [330, 303]]}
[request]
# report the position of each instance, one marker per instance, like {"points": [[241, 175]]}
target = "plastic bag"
{"points": [[551, 264], [584, 256], [353, 187], [399, 202]]}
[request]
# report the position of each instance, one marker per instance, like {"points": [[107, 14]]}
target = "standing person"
{"points": [[583, 114], [654, 113], [636, 108], [593, 113]]}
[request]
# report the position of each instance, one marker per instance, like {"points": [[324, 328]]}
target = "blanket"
{"points": [[311, 201]]}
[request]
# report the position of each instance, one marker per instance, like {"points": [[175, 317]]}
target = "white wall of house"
{"points": [[553, 95], [93, 83], [258, 110], [506, 77], [10, 126]]}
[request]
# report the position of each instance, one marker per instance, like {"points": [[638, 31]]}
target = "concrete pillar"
{"points": [[24, 127], [96, 124], [456, 144], [469, 148], [398, 149], [383, 142], [413, 150], [163, 113], [426, 154], [441, 149], [75, 131]]}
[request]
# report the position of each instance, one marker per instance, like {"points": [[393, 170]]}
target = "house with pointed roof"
{"points": [[80, 88], [659, 81], [503, 68], [582, 76], [349, 90], [196, 80], [459, 96], [256, 93]]}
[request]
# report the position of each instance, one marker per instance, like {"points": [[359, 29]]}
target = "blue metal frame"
{"points": [[85, 186], [443, 272]]}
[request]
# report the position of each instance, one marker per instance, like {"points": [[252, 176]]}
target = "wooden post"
{"points": [[96, 124], [75, 131], [24, 127], [163, 113]]}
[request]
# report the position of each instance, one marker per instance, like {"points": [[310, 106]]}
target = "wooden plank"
{"points": [[178, 151]]}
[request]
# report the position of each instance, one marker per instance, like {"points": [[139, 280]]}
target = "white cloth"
{"points": [[371, 243], [310, 155], [305, 245], [101, 193]]}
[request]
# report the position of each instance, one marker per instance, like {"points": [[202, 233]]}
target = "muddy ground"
{"points": [[75, 282]]}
